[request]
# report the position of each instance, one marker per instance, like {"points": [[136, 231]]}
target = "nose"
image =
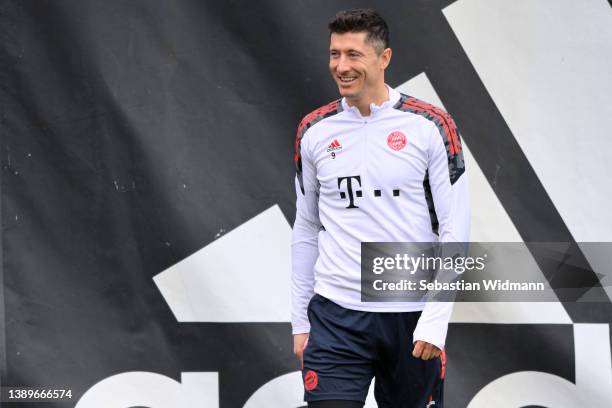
{"points": [[343, 64]]}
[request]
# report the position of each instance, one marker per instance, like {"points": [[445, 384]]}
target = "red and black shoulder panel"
{"points": [[446, 126], [310, 120]]}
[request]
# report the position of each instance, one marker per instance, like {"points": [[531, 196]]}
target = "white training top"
{"points": [[396, 175]]}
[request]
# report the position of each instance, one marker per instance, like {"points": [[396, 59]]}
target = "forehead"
{"points": [[346, 41]]}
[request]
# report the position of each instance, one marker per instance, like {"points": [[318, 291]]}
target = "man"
{"points": [[374, 166]]}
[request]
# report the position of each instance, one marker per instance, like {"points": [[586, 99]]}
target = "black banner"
{"points": [[147, 176]]}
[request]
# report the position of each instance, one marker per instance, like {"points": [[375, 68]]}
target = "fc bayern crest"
{"points": [[311, 379], [396, 140]]}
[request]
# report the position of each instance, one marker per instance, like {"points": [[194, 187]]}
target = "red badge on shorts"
{"points": [[396, 140], [311, 379]]}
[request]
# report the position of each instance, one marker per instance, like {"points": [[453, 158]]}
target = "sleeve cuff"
{"points": [[300, 330], [431, 333]]}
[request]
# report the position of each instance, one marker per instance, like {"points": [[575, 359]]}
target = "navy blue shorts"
{"points": [[347, 348]]}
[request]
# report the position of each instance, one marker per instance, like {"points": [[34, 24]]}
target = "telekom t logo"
{"points": [[352, 192], [349, 187]]}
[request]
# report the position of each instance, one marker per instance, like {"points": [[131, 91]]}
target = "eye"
{"points": [[333, 54], [354, 54]]}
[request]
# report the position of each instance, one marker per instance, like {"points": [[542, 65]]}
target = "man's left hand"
{"points": [[425, 350]]}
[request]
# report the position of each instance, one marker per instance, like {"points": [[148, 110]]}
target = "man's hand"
{"points": [[299, 343], [425, 350]]}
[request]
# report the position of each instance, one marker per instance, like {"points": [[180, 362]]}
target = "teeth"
{"points": [[347, 79]]}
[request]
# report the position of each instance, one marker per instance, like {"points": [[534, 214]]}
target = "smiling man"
{"points": [[373, 166]]}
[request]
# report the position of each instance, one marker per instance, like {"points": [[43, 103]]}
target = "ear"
{"points": [[385, 58]]}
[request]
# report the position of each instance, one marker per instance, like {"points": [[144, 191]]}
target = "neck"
{"points": [[380, 95]]}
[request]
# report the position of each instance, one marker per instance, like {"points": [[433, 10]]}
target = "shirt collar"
{"points": [[394, 97]]}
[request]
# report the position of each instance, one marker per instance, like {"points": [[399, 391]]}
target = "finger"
{"points": [[434, 352], [426, 355], [418, 349], [431, 351]]}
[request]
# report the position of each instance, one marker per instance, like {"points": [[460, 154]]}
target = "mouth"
{"points": [[346, 79]]}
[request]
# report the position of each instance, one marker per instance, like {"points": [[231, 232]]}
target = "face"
{"points": [[355, 65]]}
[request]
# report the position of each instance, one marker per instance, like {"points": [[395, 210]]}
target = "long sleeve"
{"points": [[450, 192], [304, 246]]}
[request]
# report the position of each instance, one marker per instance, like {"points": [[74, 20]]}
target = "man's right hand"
{"points": [[299, 344]]}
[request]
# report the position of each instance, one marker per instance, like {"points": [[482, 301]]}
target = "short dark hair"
{"points": [[362, 20]]}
